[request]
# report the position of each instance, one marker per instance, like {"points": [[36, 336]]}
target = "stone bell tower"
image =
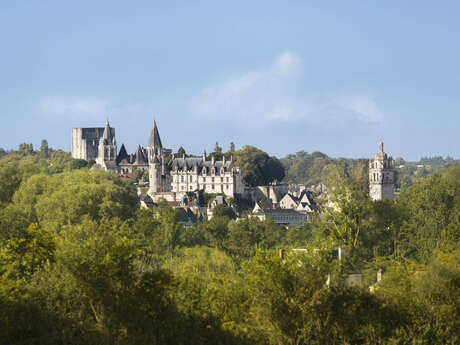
{"points": [[381, 176], [157, 169]]}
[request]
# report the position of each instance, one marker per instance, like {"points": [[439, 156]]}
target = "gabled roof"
{"points": [[290, 196], [154, 139]]}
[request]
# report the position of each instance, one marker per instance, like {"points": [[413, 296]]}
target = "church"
{"points": [[169, 177]]}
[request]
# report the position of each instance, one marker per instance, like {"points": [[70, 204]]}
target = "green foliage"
{"points": [[81, 263], [303, 167], [257, 167], [44, 149], [431, 215], [181, 153], [217, 148], [223, 210], [22, 256]]}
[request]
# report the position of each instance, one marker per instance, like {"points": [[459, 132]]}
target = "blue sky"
{"points": [[285, 76]]}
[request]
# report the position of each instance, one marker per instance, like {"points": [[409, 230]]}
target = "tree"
{"points": [[23, 256], [44, 150], [181, 152], [75, 164], [258, 168], [217, 148], [70, 197], [223, 210], [166, 236]]}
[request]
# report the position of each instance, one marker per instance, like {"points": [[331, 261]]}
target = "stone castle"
{"points": [[381, 176], [170, 177]]}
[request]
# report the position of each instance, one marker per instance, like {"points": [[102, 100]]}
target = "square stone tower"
{"points": [[381, 176]]}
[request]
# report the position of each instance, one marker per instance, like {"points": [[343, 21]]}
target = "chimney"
{"points": [[281, 253], [212, 159]]}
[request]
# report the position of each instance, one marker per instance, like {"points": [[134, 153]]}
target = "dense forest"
{"points": [[81, 263]]}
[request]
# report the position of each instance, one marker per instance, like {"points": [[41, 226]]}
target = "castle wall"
{"points": [[85, 142]]}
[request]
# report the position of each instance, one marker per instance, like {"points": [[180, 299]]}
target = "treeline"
{"points": [[80, 263], [312, 168]]}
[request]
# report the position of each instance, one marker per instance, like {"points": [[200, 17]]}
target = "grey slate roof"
{"points": [[154, 139], [190, 163], [123, 154], [140, 157], [107, 133]]}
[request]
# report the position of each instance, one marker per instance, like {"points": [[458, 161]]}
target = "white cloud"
{"points": [[266, 93], [288, 64], [364, 107], [72, 108], [277, 92]]}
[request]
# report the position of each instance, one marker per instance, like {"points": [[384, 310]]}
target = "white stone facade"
{"points": [[214, 177], [381, 176]]}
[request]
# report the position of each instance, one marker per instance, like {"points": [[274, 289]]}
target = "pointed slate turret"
{"points": [[154, 139], [107, 132], [123, 154], [140, 159]]}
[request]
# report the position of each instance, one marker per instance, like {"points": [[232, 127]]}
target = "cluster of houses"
{"points": [[286, 205]]}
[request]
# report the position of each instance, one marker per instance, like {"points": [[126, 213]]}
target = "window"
{"points": [[182, 179], [226, 186], [212, 186], [221, 179], [228, 179], [212, 180], [191, 178], [204, 179]]}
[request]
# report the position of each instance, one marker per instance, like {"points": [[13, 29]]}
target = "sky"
{"points": [[285, 76]]}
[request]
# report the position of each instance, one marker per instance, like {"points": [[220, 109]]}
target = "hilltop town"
{"points": [[182, 181]]}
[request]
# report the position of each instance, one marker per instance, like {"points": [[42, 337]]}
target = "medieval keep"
{"points": [[169, 177], [381, 176]]}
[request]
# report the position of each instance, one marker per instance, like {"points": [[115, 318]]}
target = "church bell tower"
{"points": [[381, 176]]}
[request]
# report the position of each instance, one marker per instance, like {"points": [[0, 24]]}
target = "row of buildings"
{"points": [[170, 177], [178, 179]]}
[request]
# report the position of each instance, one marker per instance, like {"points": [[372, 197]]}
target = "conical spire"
{"points": [[123, 154], [154, 139], [140, 156], [107, 132]]}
